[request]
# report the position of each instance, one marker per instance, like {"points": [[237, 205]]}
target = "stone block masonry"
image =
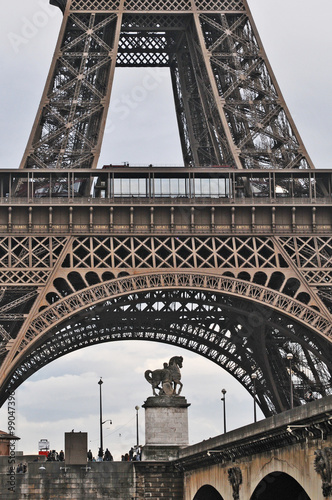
{"points": [[166, 427], [158, 481], [102, 480]]}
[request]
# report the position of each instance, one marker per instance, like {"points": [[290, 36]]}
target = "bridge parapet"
{"points": [[311, 421], [287, 443]]}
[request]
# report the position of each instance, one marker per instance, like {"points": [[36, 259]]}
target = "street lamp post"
{"points": [[137, 438], [100, 383], [290, 357], [254, 377], [223, 399]]}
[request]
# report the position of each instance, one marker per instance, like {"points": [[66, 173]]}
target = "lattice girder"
{"points": [[255, 259], [154, 5], [228, 104], [66, 132], [259, 124], [229, 330], [261, 270]]}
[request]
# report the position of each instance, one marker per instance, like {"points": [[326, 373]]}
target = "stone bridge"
{"points": [[273, 459]]}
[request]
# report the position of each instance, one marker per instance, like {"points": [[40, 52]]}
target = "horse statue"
{"points": [[169, 377]]}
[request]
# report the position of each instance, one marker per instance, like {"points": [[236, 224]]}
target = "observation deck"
{"points": [[151, 199]]}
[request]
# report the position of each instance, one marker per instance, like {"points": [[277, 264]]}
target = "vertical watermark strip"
{"points": [[11, 411]]}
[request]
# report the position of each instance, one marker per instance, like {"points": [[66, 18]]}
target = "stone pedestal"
{"points": [[166, 427]]}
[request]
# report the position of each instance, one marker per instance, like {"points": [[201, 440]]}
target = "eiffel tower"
{"points": [[228, 256]]}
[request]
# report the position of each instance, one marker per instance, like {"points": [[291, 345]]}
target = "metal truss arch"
{"points": [[222, 323], [286, 305]]}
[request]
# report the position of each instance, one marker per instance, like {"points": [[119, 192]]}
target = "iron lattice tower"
{"points": [[228, 256], [229, 108]]}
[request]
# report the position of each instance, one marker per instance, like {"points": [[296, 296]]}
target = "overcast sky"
{"points": [[65, 395]]}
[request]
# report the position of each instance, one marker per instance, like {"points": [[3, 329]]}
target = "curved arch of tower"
{"points": [[233, 323]]}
